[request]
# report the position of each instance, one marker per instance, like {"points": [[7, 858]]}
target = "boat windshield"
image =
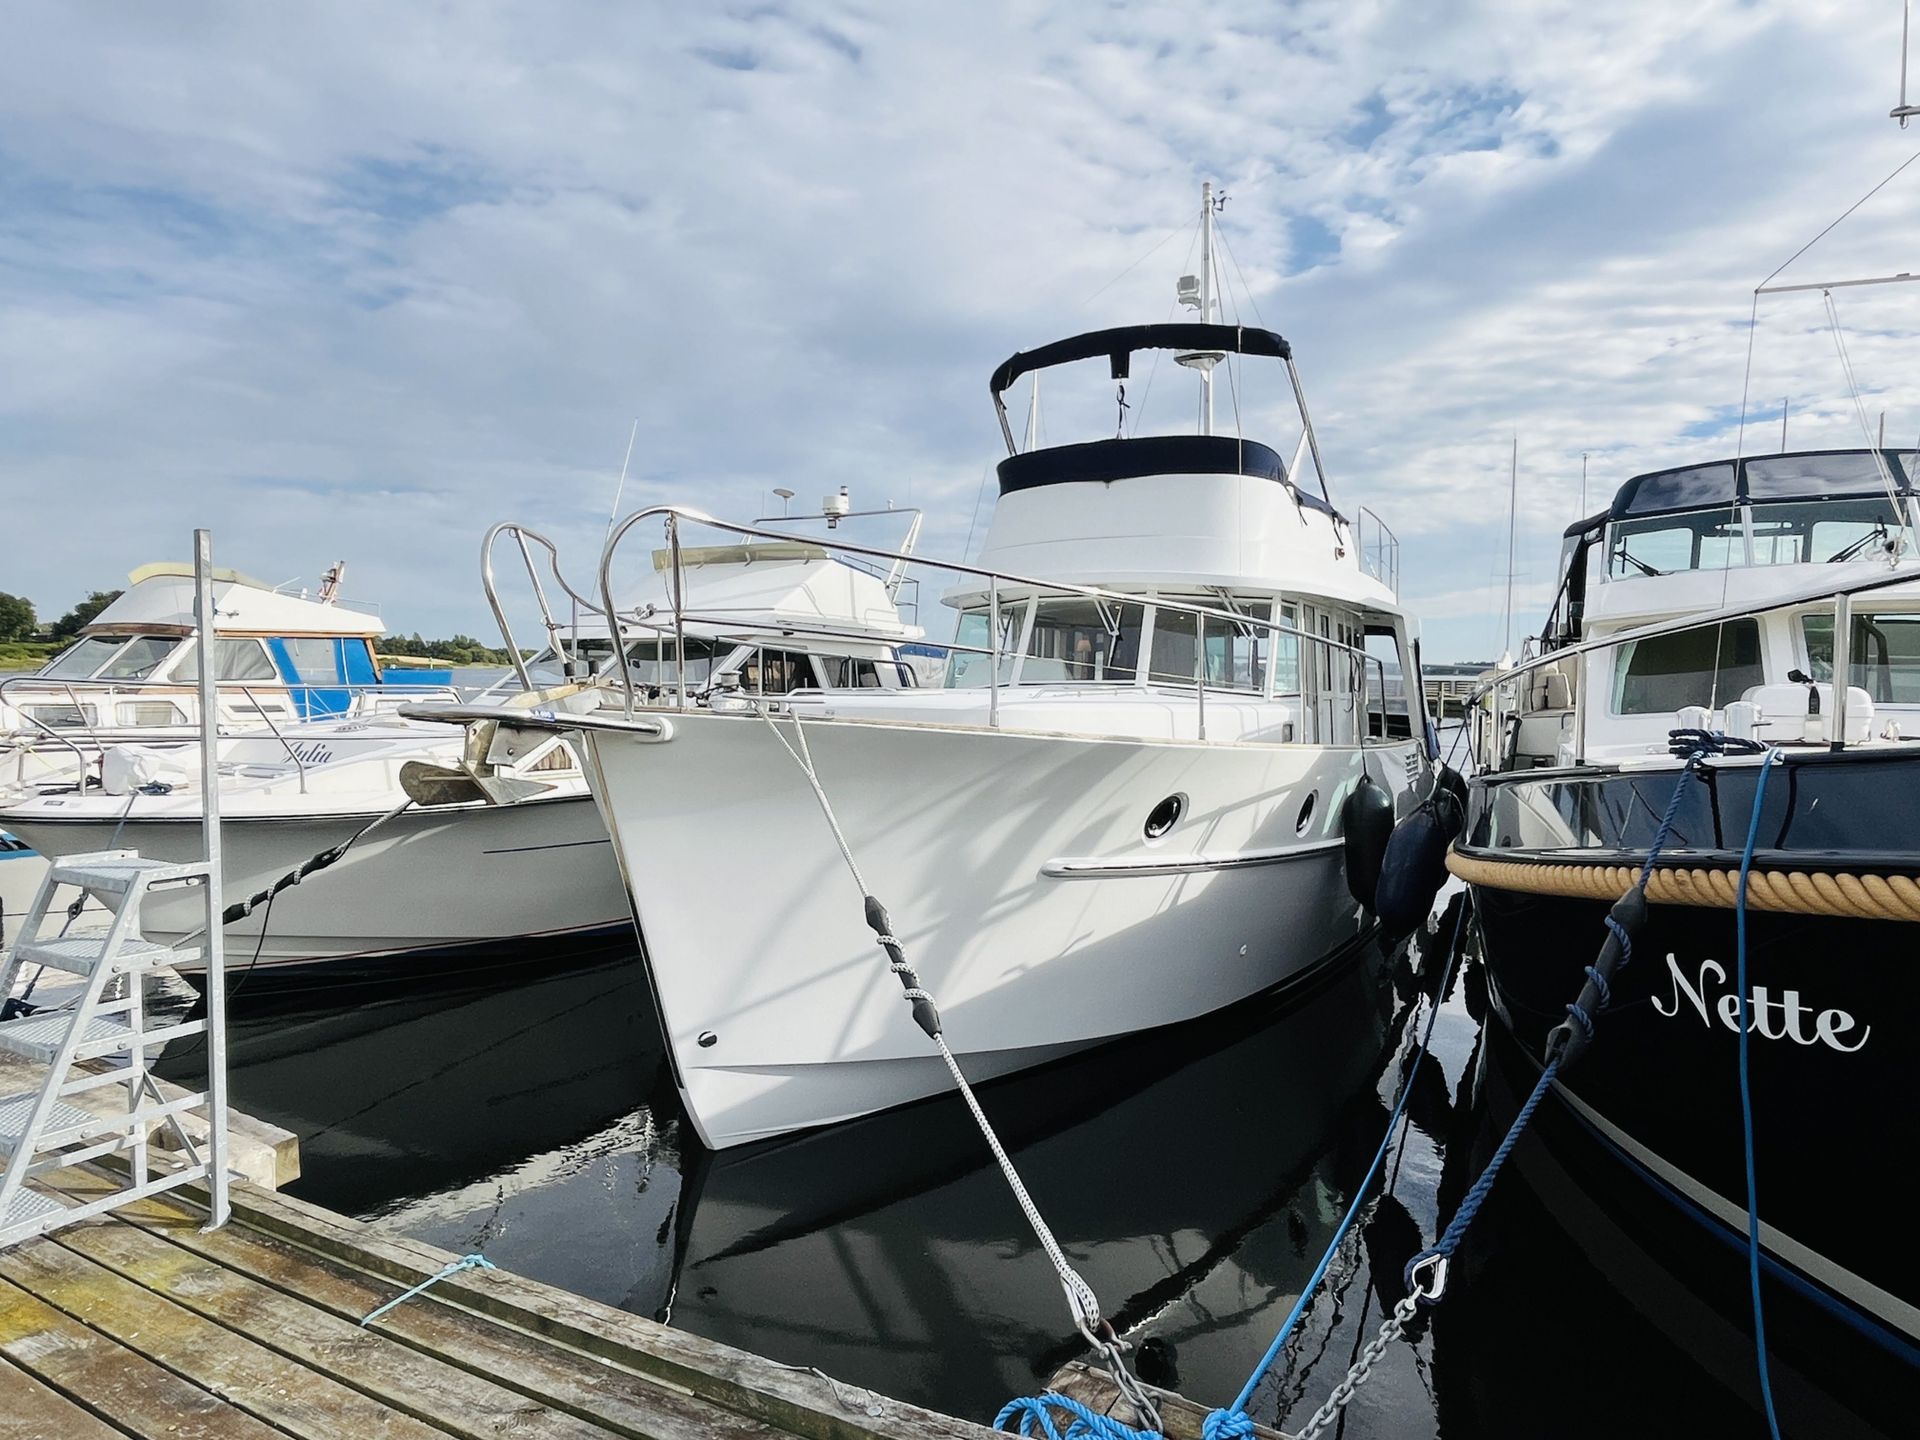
{"points": [[86, 655], [967, 664], [1083, 640], [113, 657]]}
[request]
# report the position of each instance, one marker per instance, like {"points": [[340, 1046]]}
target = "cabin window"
{"points": [[63, 717], [654, 662], [1705, 666], [140, 659], [84, 656], [1083, 640], [777, 672], [242, 660], [151, 712], [969, 664], [1885, 655], [848, 672], [1286, 653]]}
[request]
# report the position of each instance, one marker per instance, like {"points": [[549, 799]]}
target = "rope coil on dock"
{"points": [[1859, 895]]}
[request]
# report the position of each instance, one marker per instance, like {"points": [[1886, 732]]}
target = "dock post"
{"points": [[210, 832]]}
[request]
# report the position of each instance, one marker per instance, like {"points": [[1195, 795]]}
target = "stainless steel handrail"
{"points": [[995, 578], [1651, 631], [521, 536], [299, 765]]}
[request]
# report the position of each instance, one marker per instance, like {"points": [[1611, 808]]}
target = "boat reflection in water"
{"points": [[1190, 1175]]}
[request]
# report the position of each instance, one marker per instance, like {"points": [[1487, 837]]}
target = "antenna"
{"points": [[1786, 402], [1583, 486], [785, 495], [1903, 111], [620, 489]]}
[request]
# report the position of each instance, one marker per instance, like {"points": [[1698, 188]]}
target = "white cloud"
{"points": [[360, 280]]}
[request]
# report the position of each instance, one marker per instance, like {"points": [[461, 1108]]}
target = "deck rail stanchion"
{"points": [[993, 652], [1200, 672], [1842, 667], [218, 1202], [299, 765]]}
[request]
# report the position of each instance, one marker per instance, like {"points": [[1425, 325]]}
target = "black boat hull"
{"points": [[1649, 1118]]}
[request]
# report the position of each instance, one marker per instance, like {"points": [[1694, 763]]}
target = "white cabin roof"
{"points": [[159, 600], [776, 585]]}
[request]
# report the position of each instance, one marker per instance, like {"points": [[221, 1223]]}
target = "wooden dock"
{"points": [[1094, 1388], [140, 1324]]}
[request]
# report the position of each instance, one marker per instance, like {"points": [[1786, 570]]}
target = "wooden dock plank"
{"points": [[457, 1400], [46, 1356], [579, 1384], [788, 1397], [31, 1411], [269, 1386], [266, 1154]]}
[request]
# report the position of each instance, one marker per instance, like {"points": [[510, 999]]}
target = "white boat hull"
{"points": [[425, 890], [20, 874], [993, 851]]}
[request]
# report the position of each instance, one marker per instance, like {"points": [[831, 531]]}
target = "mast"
{"points": [[1513, 495], [1206, 300], [1033, 415]]}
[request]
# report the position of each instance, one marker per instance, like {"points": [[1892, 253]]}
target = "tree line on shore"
{"points": [[20, 624]]}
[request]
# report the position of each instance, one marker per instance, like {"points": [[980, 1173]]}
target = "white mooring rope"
{"points": [[1082, 1303]]}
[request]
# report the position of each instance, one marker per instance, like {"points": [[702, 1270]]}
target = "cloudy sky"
{"points": [[356, 281]]}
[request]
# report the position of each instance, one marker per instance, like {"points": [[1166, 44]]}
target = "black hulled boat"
{"points": [[1701, 612]]}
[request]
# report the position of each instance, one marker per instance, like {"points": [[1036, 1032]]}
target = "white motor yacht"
{"points": [[1122, 810], [445, 885]]}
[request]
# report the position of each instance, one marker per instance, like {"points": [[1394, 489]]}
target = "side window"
{"points": [[316, 659], [1707, 666], [1175, 635], [776, 672], [845, 672], [240, 660], [1286, 653]]}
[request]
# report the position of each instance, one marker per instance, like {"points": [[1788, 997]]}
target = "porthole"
{"points": [[1164, 816], [1306, 813]]}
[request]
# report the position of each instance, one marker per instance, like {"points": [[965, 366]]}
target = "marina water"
{"points": [[1194, 1177]]}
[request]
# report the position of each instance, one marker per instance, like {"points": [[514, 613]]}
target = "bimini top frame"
{"points": [[1121, 343]]}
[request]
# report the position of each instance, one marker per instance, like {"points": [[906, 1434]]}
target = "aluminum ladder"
{"points": [[85, 1110]]}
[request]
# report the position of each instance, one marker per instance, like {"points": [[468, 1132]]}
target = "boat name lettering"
{"points": [[1782, 1019], [312, 753]]}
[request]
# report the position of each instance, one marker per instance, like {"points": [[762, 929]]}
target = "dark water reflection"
{"points": [[1194, 1178]]}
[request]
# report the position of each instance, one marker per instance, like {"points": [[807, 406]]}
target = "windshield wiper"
{"points": [[1637, 563], [1879, 532]]}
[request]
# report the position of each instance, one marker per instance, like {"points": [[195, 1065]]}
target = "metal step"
{"points": [[39, 1037], [65, 1123], [28, 1206], [113, 871], [80, 954]]}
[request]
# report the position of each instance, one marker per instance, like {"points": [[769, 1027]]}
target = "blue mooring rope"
{"points": [[465, 1262], [1746, 1096], [1033, 1412], [1034, 1416]]}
